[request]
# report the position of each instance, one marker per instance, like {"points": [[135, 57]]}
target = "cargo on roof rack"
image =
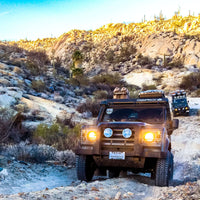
{"points": [[151, 94]]}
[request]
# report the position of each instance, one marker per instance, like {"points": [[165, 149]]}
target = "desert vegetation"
{"points": [[85, 66]]}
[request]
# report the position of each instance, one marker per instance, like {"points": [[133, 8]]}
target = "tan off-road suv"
{"points": [[131, 135]]}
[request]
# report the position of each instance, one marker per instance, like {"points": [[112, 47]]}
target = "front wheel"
{"points": [[85, 167], [164, 170]]}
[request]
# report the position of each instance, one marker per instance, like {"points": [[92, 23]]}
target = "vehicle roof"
{"points": [[163, 101]]}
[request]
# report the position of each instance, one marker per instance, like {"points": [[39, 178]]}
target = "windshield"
{"points": [[148, 115], [179, 101]]}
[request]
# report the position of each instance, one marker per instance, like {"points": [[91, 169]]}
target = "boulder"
{"points": [[191, 59]]}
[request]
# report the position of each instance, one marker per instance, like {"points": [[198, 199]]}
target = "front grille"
{"points": [[117, 141]]}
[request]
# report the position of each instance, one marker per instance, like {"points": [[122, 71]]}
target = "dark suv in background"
{"points": [[179, 103], [130, 134]]}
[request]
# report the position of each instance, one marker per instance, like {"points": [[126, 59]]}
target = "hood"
{"points": [[126, 124]]}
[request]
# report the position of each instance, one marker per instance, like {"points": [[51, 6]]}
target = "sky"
{"points": [[26, 19]]}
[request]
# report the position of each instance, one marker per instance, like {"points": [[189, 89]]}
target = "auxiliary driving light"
{"points": [[92, 136], [149, 137], [108, 132], [127, 133]]}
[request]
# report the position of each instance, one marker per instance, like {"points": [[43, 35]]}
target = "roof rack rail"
{"points": [[178, 92]]}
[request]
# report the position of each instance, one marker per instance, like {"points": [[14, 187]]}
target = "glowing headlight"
{"points": [[127, 133], [149, 137], [175, 109], [92, 136], [108, 132], [186, 108], [153, 135]]}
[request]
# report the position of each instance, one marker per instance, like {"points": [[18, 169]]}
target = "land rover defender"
{"points": [[179, 103], [130, 135]]}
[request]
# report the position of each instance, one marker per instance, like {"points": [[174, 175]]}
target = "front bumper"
{"points": [[139, 151], [180, 111]]}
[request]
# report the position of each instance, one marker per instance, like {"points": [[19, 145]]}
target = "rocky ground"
{"points": [[186, 183]]}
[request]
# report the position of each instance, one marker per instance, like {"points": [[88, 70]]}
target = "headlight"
{"points": [[186, 108], [92, 136], [149, 137], [175, 109], [127, 133], [108, 132], [153, 135]]}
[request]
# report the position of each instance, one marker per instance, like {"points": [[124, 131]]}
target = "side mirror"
{"points": [[175, 123]]}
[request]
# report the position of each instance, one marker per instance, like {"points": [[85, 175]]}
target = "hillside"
{"points": [[171, 45], [52, 86]]}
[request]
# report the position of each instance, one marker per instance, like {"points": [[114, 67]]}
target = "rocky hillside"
{"points": [[120, 47], [68, 70]]}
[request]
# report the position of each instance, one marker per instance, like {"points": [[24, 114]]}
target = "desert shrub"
{"points": [[11, 128], [191, 81], [197, 93], [148, 87], [176, 63], [134, 94], [108, 79], [68, 157], [38, 57], [89, 106], [57, 62], [79, 81], [125, 53], [32, 67], [110, 56], [77, 72], [100, 94], [32, 153], [59, 136], [38, 153], [144, 60], [158, 79], [77, 56], [38, 85]]}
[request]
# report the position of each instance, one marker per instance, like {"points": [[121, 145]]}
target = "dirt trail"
{"points": [[186, 184]]}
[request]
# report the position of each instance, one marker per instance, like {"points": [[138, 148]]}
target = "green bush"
{"points": [[77, 72], [57, 135], [38, 86]]}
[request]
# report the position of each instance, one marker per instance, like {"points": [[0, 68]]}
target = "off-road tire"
{"points": [[164, 170], [85, 167], [171, 169], [113, 173]]}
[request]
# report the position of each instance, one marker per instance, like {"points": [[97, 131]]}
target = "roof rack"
{"points": [[135, 101], [177, 92], [149, 94]]}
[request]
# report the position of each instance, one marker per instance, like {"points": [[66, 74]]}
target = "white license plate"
{"points": [[117, 155]]}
